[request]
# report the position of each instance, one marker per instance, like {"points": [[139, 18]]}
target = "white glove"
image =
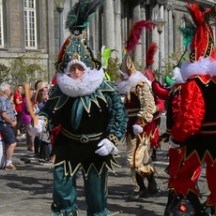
{"points": [[172, 144], [137, 129], [106, 148], [41, 125]]}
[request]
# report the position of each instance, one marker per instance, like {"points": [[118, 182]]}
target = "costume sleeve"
{"points": [[160, 105], [3, 107], [188, 112], [147, 103], [118, 118], [48, 113]]}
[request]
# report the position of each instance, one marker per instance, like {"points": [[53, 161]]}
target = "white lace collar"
{"points": [[90, 81], [124, 86]]}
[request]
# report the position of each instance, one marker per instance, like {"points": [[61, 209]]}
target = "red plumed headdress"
{"points": [[127, 65], [151, 53], [203, 42], [152, 48], [136, 32]]}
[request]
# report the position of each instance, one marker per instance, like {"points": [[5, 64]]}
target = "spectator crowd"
{"points": [[16, 123]]}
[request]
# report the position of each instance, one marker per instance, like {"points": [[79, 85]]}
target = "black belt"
{"points": [[208, 128], [83, 138]]}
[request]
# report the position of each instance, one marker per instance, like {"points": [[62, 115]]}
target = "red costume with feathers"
{"points": [[194, 114], [140, 105]]}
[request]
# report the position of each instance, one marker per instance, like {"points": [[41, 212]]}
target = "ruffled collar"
{"points": [[90, 81], [124, 86], [204, 66]]}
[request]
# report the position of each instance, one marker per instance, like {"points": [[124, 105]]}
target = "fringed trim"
{"points": [[71, 171]]}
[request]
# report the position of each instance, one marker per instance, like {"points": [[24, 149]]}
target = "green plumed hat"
{"points": [[75, 46]]}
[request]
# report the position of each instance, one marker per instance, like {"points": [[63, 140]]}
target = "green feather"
{"points": [[105, 57], [187, 31], [188, 34], [79, 15]]}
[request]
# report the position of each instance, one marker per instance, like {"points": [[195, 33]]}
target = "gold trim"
{"points": [[71, 172], [114, 139], [209, 124], [96, 95], [83, 138], [207, 132]]}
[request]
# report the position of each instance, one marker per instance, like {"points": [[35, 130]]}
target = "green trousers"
{"points": [[65, 194]]}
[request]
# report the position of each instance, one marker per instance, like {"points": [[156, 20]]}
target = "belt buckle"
{"points": [[84, 139]]}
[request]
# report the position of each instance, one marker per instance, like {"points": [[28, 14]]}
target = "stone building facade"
{"points": [[35, 28], [27, 29]]}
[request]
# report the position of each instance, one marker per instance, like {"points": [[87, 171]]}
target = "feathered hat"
{"points": [[75, 46], [202, 44], [187, 32], [127, 65], [202, 52]]}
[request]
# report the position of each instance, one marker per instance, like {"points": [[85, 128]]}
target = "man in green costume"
{"points": [[92, 122]]}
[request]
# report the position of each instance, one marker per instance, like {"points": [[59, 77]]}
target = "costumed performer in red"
{"points": [[194, 116], [140, 105]]}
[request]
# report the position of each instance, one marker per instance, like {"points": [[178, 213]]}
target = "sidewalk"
{"points": [[27, 191]]}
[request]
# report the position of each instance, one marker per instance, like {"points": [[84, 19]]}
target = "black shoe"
{"points": [[166, 213], [166, 170], [154, 157], [154, 154], [180, 206], [152, 185], [153, 189], [207, 208]]}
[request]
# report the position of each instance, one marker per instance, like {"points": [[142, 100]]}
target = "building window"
{"points": [[1, 26], [30, 24]]}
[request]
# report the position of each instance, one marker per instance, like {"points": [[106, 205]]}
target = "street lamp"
{"points": [[160, 23], [59, 4]]}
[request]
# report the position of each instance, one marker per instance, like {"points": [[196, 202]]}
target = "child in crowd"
{"points": [[42, 140]]}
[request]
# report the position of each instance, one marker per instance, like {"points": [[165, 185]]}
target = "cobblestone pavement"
{"points": [[28, 190]]}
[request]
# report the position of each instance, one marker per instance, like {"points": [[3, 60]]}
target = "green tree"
{"points": [[23, 70], [3, 73], [168, 65], [112, 68]]}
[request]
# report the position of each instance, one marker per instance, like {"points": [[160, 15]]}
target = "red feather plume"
{"points": [[62, 51], [197, 14], [151, 53], [136, 32]]}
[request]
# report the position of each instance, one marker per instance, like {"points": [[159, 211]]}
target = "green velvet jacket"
{"points": [[85, 121]]}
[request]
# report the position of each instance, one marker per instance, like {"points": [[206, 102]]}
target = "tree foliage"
{"points": [[22, 70], [168, 65], [112, 68], [3, 72]]}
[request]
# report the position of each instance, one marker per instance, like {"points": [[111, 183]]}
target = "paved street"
{"points": [[28, 190]]}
